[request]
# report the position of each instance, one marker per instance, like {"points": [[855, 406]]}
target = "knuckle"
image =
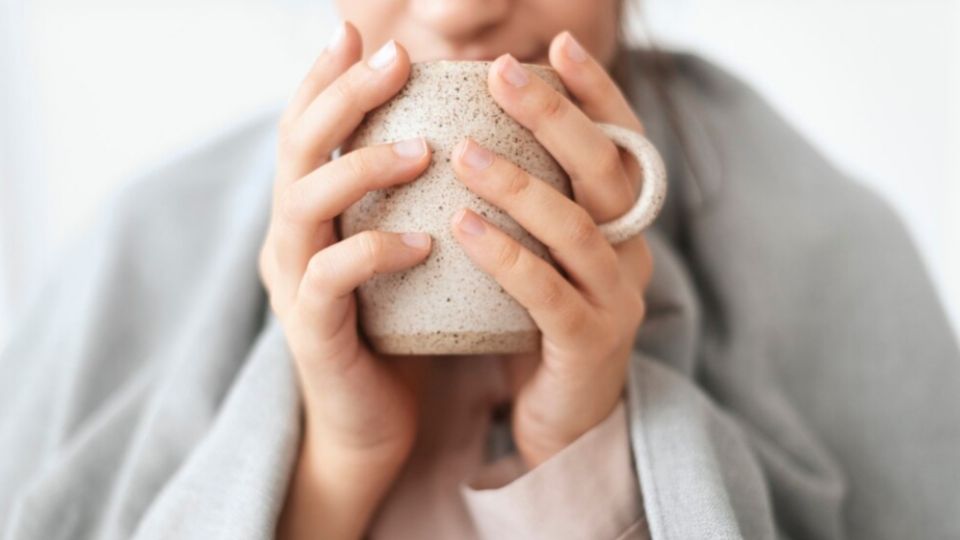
{"points": [[272, 278], [276, 306], [551, 295], [372, 249], [552, 106], [316, 275], [507, 256], [640, 310], [635, 304], [264, 265], [516, 182], [581, 229], [609, 162], [632, 308], [360, 164]]}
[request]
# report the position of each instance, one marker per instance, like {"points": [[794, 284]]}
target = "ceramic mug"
{"points": [[446, 305]]}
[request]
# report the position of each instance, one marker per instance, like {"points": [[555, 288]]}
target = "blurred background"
{"points": [[91, 91]]}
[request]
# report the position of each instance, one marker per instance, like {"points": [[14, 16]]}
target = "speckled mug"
{"points": [[446, 305]]}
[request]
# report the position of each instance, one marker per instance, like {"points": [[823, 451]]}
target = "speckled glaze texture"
{"points": [[446, 305]]}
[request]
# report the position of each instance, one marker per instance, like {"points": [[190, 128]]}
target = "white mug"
{"points": [[446, 305]]}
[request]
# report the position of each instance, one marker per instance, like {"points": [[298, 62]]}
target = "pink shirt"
{"points": [[458, 484]]}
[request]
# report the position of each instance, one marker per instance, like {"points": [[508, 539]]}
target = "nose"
{"points": [[458, 20]]}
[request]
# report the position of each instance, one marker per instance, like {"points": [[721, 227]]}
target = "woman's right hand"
{"points": [[360, 411]]}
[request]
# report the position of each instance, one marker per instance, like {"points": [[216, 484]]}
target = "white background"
{"points": [[90, 91]]}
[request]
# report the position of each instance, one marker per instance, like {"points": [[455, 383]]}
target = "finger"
{"points": [[343, 50], [329, 190], [561, 224], [596, 93], [325, 193], [558, 309], [591, 84], [340, 107], [333, 273], [593, 162], [636, 262]]}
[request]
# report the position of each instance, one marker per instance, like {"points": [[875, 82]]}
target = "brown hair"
{"points": [[662, 70]]}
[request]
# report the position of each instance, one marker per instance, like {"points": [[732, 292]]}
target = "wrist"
{"points": [[538, 441], [334, 492]]}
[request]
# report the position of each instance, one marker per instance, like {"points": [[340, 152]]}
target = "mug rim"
{"points": [[476, 63]]}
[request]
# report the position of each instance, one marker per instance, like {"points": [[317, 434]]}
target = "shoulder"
{"points": [[749, 186], [162, 285], [192, 187], [153, 247], [730, 146], [176, 215]]}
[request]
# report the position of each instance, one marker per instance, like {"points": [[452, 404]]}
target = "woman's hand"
{"points": [[360, 410], [590, 316]]}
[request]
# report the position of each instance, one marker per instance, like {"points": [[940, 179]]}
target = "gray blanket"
{"points": [[796, 376]]}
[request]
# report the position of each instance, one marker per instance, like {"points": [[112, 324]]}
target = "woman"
{"points": [[197, 372]]}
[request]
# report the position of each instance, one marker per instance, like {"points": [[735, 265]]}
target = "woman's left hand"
{"points": [[588, 319]]}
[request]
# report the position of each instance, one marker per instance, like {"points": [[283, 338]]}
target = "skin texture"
{"points": [[360, 409]]}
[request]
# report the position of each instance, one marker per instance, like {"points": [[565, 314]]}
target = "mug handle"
{"points": [[653, 190]]}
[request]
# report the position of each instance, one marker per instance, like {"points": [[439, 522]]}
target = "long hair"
{"points": [[661, 69]]}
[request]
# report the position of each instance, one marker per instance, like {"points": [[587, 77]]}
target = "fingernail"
{"points": [[512, 72], [475, 156], [417, 240], [384, 56], [337, 37], [469, 222], [574, 50], [410, 148]]}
